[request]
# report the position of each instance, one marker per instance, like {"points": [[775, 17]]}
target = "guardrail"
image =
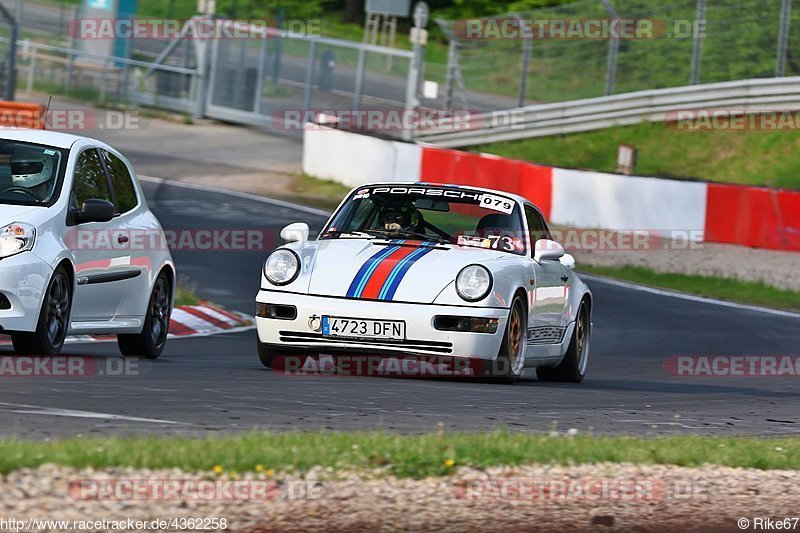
{"points": [[539, 120]]}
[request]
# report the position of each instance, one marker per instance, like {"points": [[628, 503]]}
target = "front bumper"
{"points": [[23, 280], [421, 337]]}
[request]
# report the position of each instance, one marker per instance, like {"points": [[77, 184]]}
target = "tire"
{"points": [[572, 367], [281, 359], [151, 341], [53, 323], [510, 362], [266, 354]]}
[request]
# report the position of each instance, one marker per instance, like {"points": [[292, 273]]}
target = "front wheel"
{"points": [[51, 329], [572, 368], [151, 341], [510, 362], [266, 354]]}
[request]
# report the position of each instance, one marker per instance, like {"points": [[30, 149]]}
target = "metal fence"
{"points": [[263, 81], [103, 79], [725, 100], [273, 81], [260, 80], [694, 41]]}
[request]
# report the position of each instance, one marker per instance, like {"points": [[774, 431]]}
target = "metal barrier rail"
{"points": [[618, 110]]}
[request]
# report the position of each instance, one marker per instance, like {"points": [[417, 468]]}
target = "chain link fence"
{"points": [[265, 81], [277, 80], [692, 41], [283, 80]]}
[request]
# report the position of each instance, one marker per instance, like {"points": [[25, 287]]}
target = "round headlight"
{"points": [[282, 267], [473, 283]]}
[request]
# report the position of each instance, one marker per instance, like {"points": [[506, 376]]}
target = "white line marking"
{"points": [[238, 194], [54, 411], [690, 297]]}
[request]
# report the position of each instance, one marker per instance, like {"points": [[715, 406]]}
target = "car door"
{"points": [[99, 251], [546, 321], [140, 226]]}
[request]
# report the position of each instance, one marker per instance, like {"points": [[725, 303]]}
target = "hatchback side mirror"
{"points": [[95, 210], [297, 232]]}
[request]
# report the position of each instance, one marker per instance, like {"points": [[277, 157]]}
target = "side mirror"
{"points": [[95, 210], [568, 261], [547, 250], [297, 232]]}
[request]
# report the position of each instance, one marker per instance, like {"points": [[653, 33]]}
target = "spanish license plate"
{"points": [[360, 328]]}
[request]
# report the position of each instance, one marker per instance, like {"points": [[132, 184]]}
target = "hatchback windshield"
{"points": [[448, 215], [29, 172]]}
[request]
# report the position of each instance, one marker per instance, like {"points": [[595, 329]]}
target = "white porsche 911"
{"points": [[70, 208], [429, 270]]}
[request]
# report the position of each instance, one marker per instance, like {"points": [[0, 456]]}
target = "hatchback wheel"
{"points": [[51, 329], [151, 341]]}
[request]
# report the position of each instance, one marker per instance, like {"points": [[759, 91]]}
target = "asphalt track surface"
{"points": [[216, 384]]}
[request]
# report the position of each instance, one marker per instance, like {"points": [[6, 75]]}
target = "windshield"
{"points": [[29, 173], [446, 215]]}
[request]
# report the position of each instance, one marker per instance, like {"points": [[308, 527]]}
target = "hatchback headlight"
{"points": [[16, 238], [282, 267], [473, 283]]}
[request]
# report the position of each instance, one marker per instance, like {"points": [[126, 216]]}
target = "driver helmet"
{"points": [[30, 167], [401, 216]]}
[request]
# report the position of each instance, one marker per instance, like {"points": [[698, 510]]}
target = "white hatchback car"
{"points": [[68, 208]]}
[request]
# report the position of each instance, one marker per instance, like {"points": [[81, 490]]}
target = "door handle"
{"points": [[122, 239]]}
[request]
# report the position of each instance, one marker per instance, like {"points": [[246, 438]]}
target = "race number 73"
{"points": [[497, 203]]}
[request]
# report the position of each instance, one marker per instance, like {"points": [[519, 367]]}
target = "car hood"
{"points": [[18, 213], [405, 271]]}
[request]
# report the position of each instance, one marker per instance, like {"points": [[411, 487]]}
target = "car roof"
{"points": [[516, 197], [49, 138]]}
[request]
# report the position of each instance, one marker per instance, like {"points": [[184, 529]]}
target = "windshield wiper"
{"points": [[400, 232], [349, 234]]}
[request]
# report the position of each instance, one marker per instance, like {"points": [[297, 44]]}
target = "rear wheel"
{"points": [[572, 368], [510, 362], [51, 329], [151, 341]]}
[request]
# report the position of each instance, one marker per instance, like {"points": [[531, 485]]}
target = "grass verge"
{"points": [[412, 456], [185, 292], [308, 190], [745, 157], [733, 290]]}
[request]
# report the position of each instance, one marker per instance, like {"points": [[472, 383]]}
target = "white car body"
{"points": [[111, 284], [552, 292]]}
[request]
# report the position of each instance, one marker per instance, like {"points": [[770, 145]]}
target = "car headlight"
{"points": [[282, 267], [16, 238], [473, 283]]}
